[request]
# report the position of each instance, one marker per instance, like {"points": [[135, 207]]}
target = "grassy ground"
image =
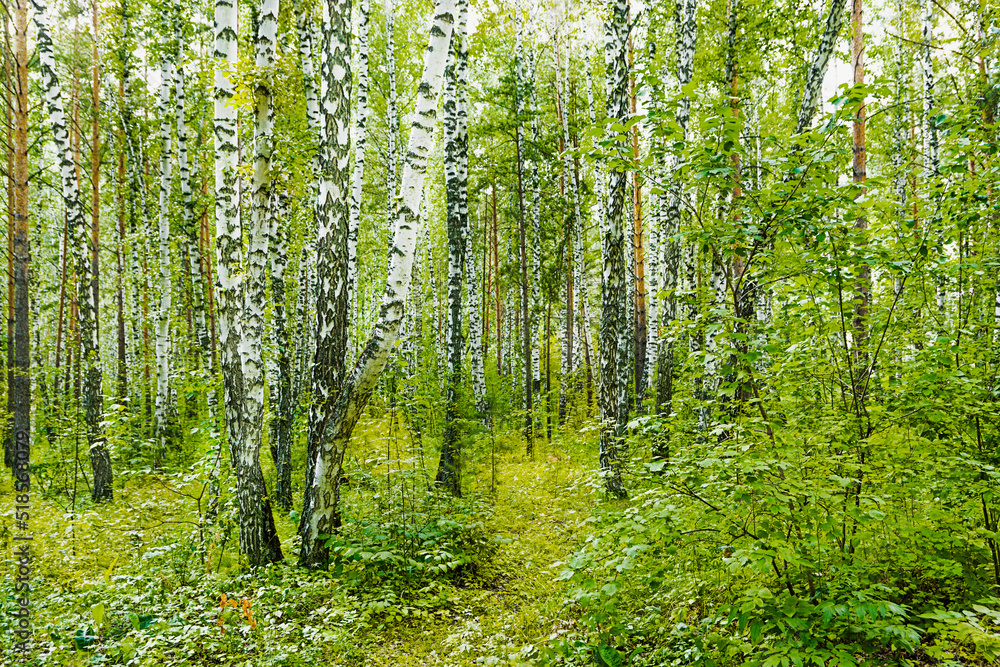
{"points": [[139, 582]]}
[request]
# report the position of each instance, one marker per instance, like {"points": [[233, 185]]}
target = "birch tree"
{"points": [[163, 255], [240, 306], [671, 219], [360, 124], [613, 276], [343, 414], [814, 80], [281, 396], [456, 145], [90, 366], [523, 234], [332, 230]]}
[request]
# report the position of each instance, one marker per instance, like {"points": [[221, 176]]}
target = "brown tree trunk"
{"points": [[862, 285], [640, 259]]}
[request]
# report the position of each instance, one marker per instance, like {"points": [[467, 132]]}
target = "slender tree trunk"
{"points": [[281, 425], [165, 304], [536, 228], [613, 282], [332, 218], [931, 159], [671, 220], [191, 231], [120, 277], [392, 112], [354, 395], [641, 378], [814, 80], [360, 123], [95, 171], [456, 145], [9, 74], [91, 367], [862, 286], [19, 378], [523, 229], [476, 352], [569, 228], [241, 306]]}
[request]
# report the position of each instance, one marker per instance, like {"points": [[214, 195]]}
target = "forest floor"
{"points": [[143, 561]]}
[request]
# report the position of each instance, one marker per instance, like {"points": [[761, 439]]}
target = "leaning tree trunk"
{"points": [[613, 277], [163, 227], [354, 395], [241, 310], [100, 457], [456, 147], [814, 80], [332, 225]]}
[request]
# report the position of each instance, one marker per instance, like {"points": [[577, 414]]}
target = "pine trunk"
{"points": [[20, 380]]}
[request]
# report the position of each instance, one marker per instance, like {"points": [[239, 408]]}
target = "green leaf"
{"points": [[607, 656]]}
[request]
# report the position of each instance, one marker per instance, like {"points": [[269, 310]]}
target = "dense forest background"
{"points": [[507, 333]]}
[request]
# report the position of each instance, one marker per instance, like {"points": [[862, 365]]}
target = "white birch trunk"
{"points": [[91, 394], [360, 125], [163, 255], [613, 275], [814, 80], [536, 229], [456, 140], [360, 383]]}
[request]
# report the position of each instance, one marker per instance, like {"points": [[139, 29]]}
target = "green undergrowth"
{"points": [[771, 553], [416, 578]]}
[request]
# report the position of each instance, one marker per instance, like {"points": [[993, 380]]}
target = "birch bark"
{"points": [[343, 415]]}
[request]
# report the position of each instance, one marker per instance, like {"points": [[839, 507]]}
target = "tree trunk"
{"points": [[671, 221], [358, 177], [91, 366], [339, 422], [613, 276], [814, 80], [241, 306], [281, 399], [163, 310], [639, 255], [456, 191], [20, 379], [862, 285], [332, 219], [523, 232]]}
